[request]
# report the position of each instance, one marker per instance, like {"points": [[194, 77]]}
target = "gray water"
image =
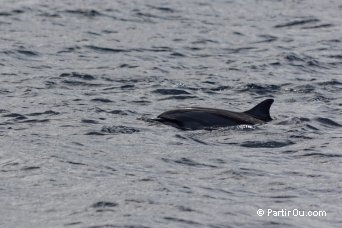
{"points": [[80, 80]]}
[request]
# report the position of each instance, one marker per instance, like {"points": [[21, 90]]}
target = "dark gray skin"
{"points": [[196, 118]]}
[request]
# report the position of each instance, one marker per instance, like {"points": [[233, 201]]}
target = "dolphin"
{"points": [[197, 118]]}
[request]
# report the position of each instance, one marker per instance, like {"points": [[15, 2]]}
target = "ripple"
{"points": [[303, 89], [162, 8], [260, 89], [29, 168], [328, 122], [22, 54], [267, 39], [15, 115], [125, 65], [185, 221], [188, 162], [179, 97], [86, 77], [88, 121], [103, 204], [106, 49], [170, 91], [267, 144], [83, 12], [119, 130], [75, 163], [28, 53], [297, 22], [79, 83], [294, 120], [5, 14], [238, 50], [70, 49], [319, 26], [95, 133], [102, 100], [115, 112], [118, 112], [321, 155], [304, 61], [330, 82], [48, 112], [35, 121]]}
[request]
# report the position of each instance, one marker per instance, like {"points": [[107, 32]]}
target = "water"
{"points": [[80, 79]]}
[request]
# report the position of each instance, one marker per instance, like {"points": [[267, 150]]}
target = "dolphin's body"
{"points": [[196, 118]]}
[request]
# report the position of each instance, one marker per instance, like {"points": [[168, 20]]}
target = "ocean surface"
{"points": [[80, 80]]}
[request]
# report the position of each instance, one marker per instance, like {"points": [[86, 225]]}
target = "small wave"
{"points": [[318, 26], [95, 133], [86, 77], [267, 39], [48, 112], [170, 91], [311, 127], [5, 14], [188, 162], [51, 15], [162, 8], [128, 86], [125, 65], [185, 209], [267, 144], [335, 56], [260, 89], [102, 100], [69, 49], [177, 54], [141, 102], [103, 204], [119, 130], [193, 138], [204, 41], [28, 53], [115, 112], [321, 155], [16, 116], [320, 97], [35, 121], [118, 112], [106, 49], [218, 88], [29, 168], [297, 22], [333, 82], [302, 89], [184, 221], [238, 50], [11, 13], [83, 12], [75, 163], [300, 60], [22, 54], [328, 122], [88, 121], [80, 83], [179, 97]]}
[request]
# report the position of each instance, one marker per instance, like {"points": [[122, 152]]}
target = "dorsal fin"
{"points": [[262, 110]]}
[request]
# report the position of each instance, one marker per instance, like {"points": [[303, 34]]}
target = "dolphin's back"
{"points": [[195, 118], [200, 118]]}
